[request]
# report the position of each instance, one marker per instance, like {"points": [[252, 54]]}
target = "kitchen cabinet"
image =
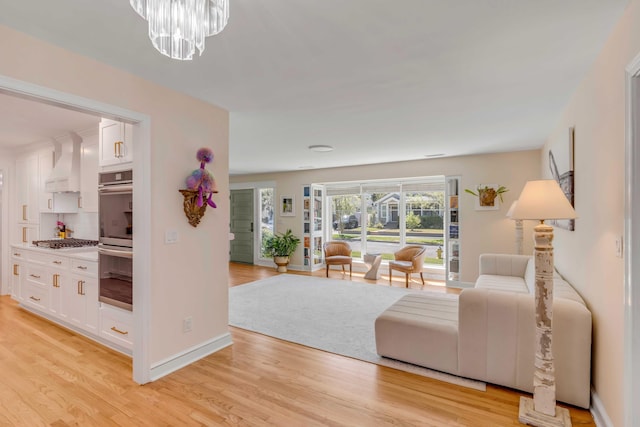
{"points": [[45, 166], [81, 297], [89, 175], [25, 233], [115, 141], [16, 274], [27, 189], [116, 325], [64, 288]]}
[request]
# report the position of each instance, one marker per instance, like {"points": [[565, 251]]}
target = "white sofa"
{"points": [[488, 332]]}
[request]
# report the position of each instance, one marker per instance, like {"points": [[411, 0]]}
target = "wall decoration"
{"points": [[201, 185], [561, 164], [488, 196], [287, 206]]}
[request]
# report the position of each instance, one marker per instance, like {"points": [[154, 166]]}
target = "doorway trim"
{"points": [[142, 187], [632, 239]]}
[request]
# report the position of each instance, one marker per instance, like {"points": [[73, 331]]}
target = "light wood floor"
{"points": [[50, 376]]}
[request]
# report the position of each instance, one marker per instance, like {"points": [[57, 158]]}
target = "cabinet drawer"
{"points": [[116, 325], [18, 253], [36, 296], [89, 268], [49, 259], [38, 275]]}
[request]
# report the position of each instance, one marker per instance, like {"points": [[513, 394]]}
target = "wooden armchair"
{"points": [[409, 259], [337, 253]]}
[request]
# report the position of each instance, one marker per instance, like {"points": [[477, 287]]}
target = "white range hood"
{"points": [[65, 176]]}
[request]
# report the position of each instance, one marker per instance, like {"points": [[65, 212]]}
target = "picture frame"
{"points": [[562, 167], [287, 206]]}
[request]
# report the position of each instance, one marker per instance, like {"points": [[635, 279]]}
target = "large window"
{"points": [[381, 217]]}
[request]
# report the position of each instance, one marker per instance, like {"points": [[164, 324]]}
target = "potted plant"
{"points": [[487, 195], [280, 246]]}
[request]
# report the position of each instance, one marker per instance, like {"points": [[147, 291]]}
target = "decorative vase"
{"points": [[281, 262]]}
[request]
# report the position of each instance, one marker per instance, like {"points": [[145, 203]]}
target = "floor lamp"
{"points": [[519, 244], [541, 200]]}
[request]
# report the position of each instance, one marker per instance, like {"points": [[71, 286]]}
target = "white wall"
{"points": [[481, 231], [189, 278], [587, 255]]}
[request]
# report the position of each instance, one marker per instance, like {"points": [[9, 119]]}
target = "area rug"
{"points": [[332, 315]]}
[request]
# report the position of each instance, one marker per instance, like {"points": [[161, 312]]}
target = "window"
{"points": [[266, 218]]}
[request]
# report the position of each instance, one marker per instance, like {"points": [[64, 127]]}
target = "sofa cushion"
{"points": [[421, 329], [502, 283]]}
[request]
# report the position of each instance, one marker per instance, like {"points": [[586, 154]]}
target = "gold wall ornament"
{"points": [[193, 212]]}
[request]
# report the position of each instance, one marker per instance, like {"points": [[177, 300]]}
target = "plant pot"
{"points": [[487, 196], [281, 262]]}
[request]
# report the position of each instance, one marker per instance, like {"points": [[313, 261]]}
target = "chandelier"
{"points": [[178, 27]]}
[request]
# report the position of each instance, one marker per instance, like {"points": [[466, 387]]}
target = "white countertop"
{"points": [[88, 253]]}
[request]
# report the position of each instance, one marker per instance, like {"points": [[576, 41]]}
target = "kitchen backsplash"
{"points": [[83, 224]]}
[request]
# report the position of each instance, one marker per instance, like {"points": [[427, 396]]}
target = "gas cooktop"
{"points": [[64, 243]]}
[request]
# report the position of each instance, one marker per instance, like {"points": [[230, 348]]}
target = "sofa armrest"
{"points": [[504, 264]]}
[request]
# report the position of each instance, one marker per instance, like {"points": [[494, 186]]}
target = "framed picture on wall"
{"points": [[287, 206], [561, 166]]}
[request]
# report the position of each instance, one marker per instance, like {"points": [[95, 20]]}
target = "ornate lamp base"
{"points": [[528, 415]]}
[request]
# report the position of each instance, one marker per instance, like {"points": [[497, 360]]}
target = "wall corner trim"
{"points": [[187, 357], [598, 411]]}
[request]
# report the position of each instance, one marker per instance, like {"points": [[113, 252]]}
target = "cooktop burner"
{"points": [[64, 243]]}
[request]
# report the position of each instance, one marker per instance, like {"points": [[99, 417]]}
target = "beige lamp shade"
{"points": [[511, 209], [543, 199]]}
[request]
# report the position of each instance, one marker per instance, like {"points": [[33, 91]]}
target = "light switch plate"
{"points": [[170, 236]]}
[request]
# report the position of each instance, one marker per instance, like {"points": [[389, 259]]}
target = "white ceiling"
{"points": [[380, 81]]}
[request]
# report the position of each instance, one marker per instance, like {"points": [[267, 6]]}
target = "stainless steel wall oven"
{"points": [[115, 247]]}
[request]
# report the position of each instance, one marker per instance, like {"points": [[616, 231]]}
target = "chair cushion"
{"points": [[401, 265], [338, 259]]}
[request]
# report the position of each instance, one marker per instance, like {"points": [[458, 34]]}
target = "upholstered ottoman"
{"points": [[422, 329]]}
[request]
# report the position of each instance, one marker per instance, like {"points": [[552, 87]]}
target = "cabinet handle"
{"points": [[117, 149], [15, 270], [56, 283], [114, 329], [80, 287], [34, 298], [24, 234], [34, 276], [24, 212], [57, 262], [81, 267], [50, 204], [17, 254], [79, 202]]}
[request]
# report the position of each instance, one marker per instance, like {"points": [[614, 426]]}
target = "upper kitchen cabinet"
{"points": [[27, 196], [116, 140], [89, 175]]}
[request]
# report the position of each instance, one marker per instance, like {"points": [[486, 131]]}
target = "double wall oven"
{"points": [[115, 247]]}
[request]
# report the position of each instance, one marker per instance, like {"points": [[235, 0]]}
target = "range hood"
{"points": [[65, 176]]}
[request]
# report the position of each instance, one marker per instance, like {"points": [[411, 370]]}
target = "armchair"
{"points": [[337, 253], [409, 259]]}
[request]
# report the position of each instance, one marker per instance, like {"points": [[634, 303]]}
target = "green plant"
{"points": [[487, 194], [281, 244]]}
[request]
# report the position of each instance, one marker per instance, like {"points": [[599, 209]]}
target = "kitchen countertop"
{"points": [[87, 253]]}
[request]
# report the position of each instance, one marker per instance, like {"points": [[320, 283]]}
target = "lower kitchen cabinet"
{"points": [[65, 290], [117, 325]]}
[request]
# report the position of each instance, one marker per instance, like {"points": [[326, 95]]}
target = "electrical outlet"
{"points": [[171, 236], [187, 324]]}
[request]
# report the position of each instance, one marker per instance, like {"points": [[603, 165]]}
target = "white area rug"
{"points": [[331, 315]]}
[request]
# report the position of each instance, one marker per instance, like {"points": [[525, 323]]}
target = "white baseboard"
{"points": [[598, 411], [180, 360]]}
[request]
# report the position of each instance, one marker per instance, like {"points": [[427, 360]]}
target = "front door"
{"points": [[241, 247]]}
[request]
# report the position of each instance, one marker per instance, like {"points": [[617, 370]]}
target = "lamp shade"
{"points": [[511, 209], [543, 199]]}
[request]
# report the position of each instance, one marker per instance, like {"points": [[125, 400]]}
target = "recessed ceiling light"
{"points": [[434, 155], [321, 148]]}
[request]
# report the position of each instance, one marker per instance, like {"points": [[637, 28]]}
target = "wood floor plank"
{"points": [[51, 376]]}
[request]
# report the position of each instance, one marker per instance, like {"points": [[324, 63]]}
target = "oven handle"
{"points": [[116, 253], [115, 189]]}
